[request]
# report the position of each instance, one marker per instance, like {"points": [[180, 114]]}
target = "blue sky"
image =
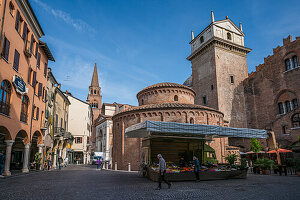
{"points": [[140, 43]]}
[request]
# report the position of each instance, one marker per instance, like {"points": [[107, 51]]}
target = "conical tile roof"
{"points": [[95, 82]]}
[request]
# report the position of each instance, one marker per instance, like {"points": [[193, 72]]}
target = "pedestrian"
{"points": [[60, 161], [66, 161], [196, 168], [98, 163], [2, 161], [162, 171]]}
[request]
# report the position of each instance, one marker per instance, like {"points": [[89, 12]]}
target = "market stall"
{"points": [[179, 142]]}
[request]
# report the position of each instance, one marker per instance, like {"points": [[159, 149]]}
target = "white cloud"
{"points": [[78, 24]]}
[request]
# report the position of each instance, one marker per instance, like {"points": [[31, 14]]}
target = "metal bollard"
{"points": [[129, 167], [116, 166]]}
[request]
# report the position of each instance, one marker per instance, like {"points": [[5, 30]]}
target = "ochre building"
{"points": [[23, 77], [169, 102]]}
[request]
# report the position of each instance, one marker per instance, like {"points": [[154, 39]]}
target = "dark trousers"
{"points": [[161, 178], [197, 174]]}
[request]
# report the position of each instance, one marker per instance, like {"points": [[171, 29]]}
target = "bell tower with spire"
{"points": [[94, 97]]}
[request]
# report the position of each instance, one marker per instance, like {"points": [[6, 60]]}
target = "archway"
{"points": [[5, 149], [36, 139], [17, 153]]}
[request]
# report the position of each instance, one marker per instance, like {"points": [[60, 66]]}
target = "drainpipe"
{"points": [[2, 23]]}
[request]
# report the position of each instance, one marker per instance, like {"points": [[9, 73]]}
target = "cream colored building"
{"points": [[79, 124]]}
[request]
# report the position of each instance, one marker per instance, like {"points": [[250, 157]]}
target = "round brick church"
{"points": [[168, 102]]}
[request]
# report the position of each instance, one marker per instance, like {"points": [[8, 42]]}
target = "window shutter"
{"points": [[45, 69], [29, 74], [24, 31], [40, 89], [31, 43], [34, 79], [38, 60], [7, 45], [37, 112], [36, 49], [45, 95], [17, 20], [16, 60]]}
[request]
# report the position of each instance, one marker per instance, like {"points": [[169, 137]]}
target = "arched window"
{"points": [[228, 36], [295, 61], [91, 91], [201, 39], [175, 98], [280, 108], [295, 103], [287, 64], [296, 120], [288, 106], [95, 92], [191, 120], [142, 102], [24, 109], [11, 9], [5, 93]]}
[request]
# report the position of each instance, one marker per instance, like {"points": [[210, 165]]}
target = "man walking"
{"points": [[162, 171], [196, 168]]}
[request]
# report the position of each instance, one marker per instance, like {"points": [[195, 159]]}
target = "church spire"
{"points": [[95, 81]]}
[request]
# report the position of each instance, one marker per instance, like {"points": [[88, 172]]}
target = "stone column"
{"points": [[40, 146], [26, 158], [9, 144], [54, 159]]}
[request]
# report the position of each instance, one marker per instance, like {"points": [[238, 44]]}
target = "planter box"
{"points": [[204, 176]]}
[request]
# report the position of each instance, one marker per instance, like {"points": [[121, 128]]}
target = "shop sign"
{"points": [[19, 84]]}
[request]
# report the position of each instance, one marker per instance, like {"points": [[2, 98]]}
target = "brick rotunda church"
{"points": [[167, 102]]}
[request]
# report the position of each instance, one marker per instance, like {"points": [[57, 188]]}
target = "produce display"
{"points": [[174, 168]]}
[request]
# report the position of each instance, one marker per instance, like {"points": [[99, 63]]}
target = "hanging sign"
{"points": [[19, 84]]}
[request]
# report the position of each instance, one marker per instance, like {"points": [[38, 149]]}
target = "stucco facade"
{"points": [[23, 57], [79, 124]]}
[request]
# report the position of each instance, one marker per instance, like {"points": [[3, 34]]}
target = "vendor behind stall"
{"points": [[182, 162]]}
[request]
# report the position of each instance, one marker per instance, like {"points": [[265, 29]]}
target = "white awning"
{"points": [[156, 128]]}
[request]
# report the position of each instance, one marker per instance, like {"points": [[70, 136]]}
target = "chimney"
{"points": [[192, 35], [226, 17], [212, 16], [241, 27]]}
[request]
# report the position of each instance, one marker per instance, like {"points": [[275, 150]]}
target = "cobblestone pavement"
{"points": [[79, 182]]}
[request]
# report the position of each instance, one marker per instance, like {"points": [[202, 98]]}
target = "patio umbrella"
{"points": [[251, 152], [280, 151]]}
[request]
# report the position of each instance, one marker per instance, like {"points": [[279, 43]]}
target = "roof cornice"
{"points": [[30, 16], [222, 43]]}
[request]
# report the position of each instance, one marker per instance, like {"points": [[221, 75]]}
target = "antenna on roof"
{"points": [[212, 16]]}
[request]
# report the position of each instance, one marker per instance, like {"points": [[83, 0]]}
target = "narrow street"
{"points": [[80, 182]]}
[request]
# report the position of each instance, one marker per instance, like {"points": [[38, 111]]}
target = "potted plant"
{"points": [[38, 159], [264, 165], [231, 159]]}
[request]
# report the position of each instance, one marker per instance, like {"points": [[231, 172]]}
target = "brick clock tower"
{"points": [[94, 97], [219, 65]]}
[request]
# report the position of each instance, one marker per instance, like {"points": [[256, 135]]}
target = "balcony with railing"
{"points": [[59, 131], [4, 108]]}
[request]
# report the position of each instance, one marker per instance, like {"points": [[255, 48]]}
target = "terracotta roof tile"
{"points": [[164, 85]]}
